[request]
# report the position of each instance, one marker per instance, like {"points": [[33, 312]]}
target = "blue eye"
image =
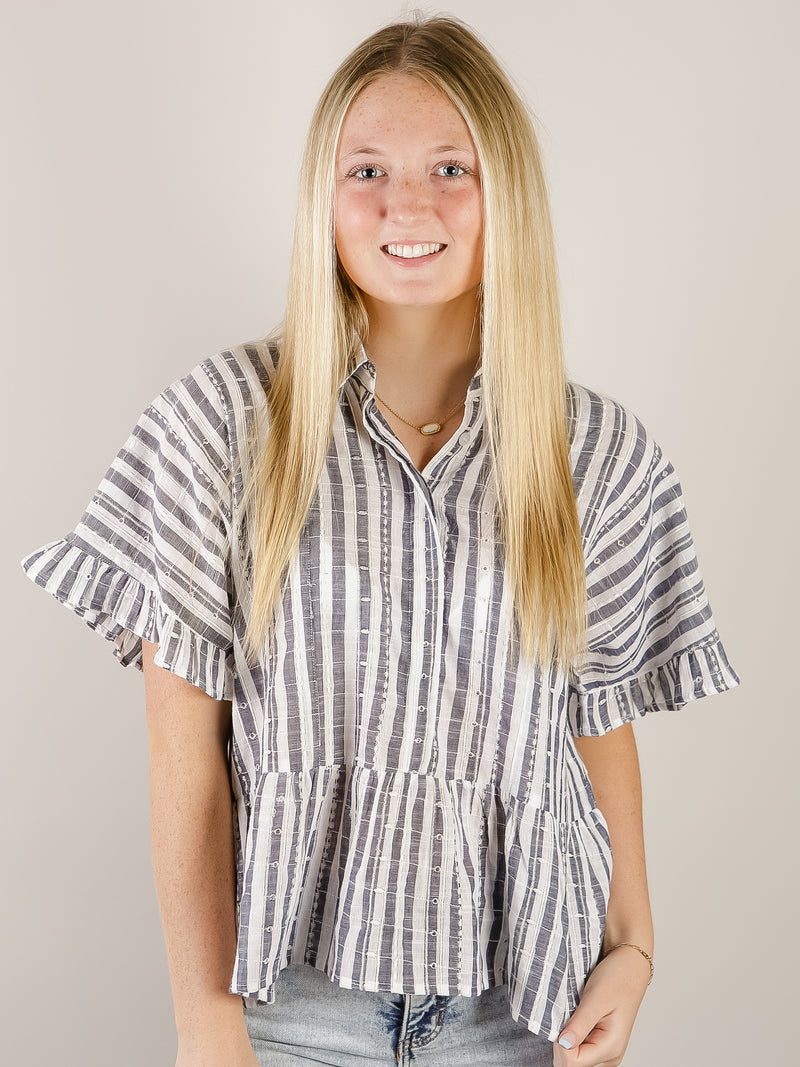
{"points": [[451, 170], [366, 174]]}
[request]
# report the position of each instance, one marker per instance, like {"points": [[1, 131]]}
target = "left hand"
{"points": [[600, 1027]]}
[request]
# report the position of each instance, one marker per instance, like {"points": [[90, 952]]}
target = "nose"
{"points": [[408, 199]]}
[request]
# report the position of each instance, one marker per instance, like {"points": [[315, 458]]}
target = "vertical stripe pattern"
{"points": [[412, 814]]}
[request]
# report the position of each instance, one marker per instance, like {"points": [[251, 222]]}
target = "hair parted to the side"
{"points": [[521, 341]]}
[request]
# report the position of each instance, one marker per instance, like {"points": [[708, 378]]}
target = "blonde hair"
{"points": [[521, 343]]}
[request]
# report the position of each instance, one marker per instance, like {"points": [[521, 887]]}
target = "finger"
{"points": [[581, 1023], [603, 1046]]}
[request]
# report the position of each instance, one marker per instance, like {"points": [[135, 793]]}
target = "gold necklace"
{"points": [[427, 428]]}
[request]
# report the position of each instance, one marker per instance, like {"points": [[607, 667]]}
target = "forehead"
{"points": [[402, 105]]}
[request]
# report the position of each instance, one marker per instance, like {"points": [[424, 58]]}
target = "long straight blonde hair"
{"points": [[521, 341]]}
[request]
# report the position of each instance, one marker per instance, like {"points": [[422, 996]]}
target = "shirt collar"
{"points": [[363, 371]]}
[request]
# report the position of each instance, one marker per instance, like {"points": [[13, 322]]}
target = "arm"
{"points": [[601, 1025], [193, 862]]}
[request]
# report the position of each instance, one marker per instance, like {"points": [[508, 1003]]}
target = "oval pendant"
{"points": [[429, 428]]}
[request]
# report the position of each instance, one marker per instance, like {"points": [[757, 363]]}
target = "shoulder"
{"points": [[604, 433], [214, 404], [233, 379], [614, 460]]}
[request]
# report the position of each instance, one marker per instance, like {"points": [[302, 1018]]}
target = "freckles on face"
{"points": [[408, 213]]}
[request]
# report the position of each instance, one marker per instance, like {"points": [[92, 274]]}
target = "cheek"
{"points": [[466, 213], [469, 220], [350, 225]]}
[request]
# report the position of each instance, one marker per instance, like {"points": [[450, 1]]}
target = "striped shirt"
{"points": [[412, 815]]}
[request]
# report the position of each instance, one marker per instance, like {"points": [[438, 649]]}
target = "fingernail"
{"points": [[565, 1041]]}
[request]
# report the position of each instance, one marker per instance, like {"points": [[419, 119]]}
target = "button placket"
{"points": [[428, 599], [435, 890]]}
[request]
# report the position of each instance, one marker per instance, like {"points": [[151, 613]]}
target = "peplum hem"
{"points": [[124, 610], [487, 864], [595, 709]]}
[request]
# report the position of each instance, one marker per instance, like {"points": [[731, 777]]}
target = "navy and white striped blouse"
{"points": [[412, 814]]}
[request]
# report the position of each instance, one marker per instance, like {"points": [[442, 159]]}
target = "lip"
{"points": [[413, 262]]}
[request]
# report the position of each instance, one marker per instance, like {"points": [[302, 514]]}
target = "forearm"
{"points": [[193, 866], [598, 1031], [613, 767], [193, 861]]}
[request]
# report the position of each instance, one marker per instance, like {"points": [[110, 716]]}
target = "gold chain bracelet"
{"points": [[629, 944]]}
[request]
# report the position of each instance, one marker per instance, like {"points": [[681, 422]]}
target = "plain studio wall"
{"points": [[151, 161]]}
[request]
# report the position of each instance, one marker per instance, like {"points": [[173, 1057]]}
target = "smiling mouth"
{"points": [[412, 251]]}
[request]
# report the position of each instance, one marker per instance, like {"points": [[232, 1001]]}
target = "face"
{"points": [[409, 220]]}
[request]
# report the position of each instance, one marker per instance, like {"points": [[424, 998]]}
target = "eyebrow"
{"points": [[364, 150], [368, 150]]}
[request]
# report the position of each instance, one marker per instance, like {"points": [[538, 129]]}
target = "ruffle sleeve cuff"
{"points": [[696, 672], [124, 610]]}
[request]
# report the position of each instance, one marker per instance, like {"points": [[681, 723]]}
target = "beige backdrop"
{"points": [[151, 157]]}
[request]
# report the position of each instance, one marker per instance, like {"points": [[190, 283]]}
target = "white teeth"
{"points": [[412, 251]]}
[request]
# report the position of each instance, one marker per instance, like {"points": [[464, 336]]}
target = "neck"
{"points": [[431, 345]]}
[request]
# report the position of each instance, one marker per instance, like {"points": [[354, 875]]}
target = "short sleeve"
{"points": [[150, 556], [652, 643]]}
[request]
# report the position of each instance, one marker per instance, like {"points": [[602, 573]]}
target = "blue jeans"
{"points": [[315, 1021]]}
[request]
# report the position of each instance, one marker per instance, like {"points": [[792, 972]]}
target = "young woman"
{"points": [[402, 590]]}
